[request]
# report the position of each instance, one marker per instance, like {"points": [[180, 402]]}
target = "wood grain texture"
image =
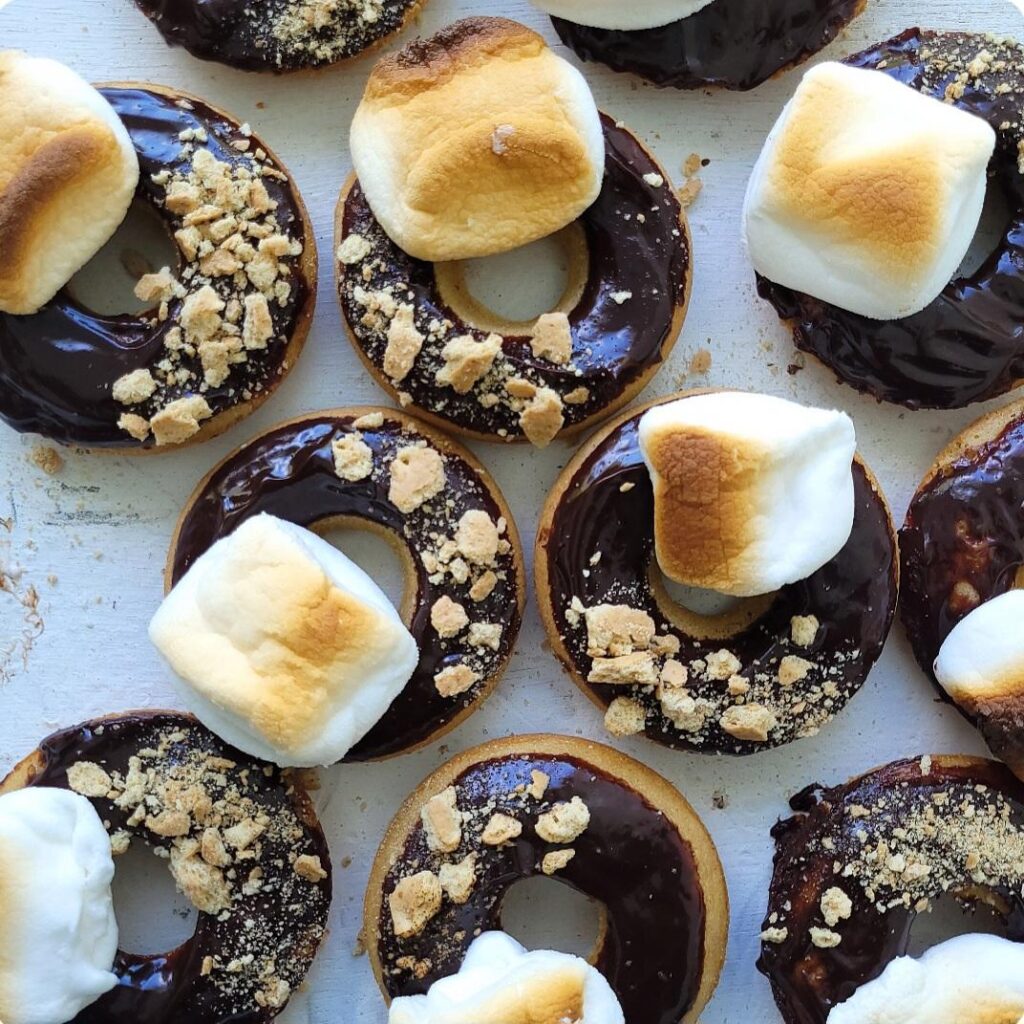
{"points": [[91, 539]]}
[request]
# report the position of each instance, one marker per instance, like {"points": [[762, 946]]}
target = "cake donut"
{"points": [[224, 327], [581, 813], [784, 657], [857, 863], [284, 35], [432, 500], [696, 44], [242, 842], [959, 341], [401, 271], [962, 547]]}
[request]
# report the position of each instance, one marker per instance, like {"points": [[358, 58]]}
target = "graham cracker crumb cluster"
{"points": [[465, 552], [323, 31], [656, 684], [460, 837], [227, 850], [225, 310]]}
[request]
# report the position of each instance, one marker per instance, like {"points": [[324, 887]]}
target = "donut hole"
{"points": [[153, 917], [950, 917], [544, 913], [507, 292], [705, 614], [141, 245], [379, 554], [996, 217]]}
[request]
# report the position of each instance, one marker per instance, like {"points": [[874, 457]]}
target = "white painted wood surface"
{"points": [[91, 540]]}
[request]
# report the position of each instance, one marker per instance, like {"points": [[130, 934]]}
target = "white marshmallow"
{"points": [[972, 979], [751, 492], [285, 647], [619, 15], [983, 656], [56, 909], [867, 193], [501, 983]]}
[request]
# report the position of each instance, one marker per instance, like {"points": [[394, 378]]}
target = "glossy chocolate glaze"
{"points": [[289, 472], [168, 988], [968, 344], [241, 34], [631, 859], [808, 981], [853, 596], [57, 366], [735, 44], [613, 343], [964, 526]]}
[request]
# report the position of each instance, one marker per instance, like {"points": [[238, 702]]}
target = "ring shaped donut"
{"points": [[892, 842], [645, 858], [732, 44], [962, 543], [967, 345], [595, 545], [260, 911], [628, 290], [58, 366], [291, 472], [279, 35]]}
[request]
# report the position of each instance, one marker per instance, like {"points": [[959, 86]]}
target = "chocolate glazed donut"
{"points": [[857, 863], [644, 856], [274, 35], [58, 366], [734, 44], [633, 252], [968, 344], [271, 916], [963, 544], [291, 472], [595, 545]]}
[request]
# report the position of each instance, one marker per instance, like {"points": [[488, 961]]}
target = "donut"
{"points": [[223, 330], [335, 469], [242, 842], [581, 813], [962, 545], [792, 658], [285, 35], [966, 345], [857, 863], [730, 44]]}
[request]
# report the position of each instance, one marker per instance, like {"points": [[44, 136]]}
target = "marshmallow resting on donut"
{"points": [[286, 648], [501, 983], [475, 141], [971, 979], [56, 909], [68, 172], [867, 193], [615, 14], [751, 492]]}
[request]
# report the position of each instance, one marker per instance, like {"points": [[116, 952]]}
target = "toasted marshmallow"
{"points": [[751, 492], [286, 648], [56, 909], [476, 141], [501, 983], [68, 172], [618, 15], [972, 979], [867, 193]]}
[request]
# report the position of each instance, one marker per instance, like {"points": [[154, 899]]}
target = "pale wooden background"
{"points": [[92, 539]]}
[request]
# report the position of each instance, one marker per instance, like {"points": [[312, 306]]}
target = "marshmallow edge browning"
{"points": [[286, 648], [476, 141], [68, 174], [751, 492]]}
